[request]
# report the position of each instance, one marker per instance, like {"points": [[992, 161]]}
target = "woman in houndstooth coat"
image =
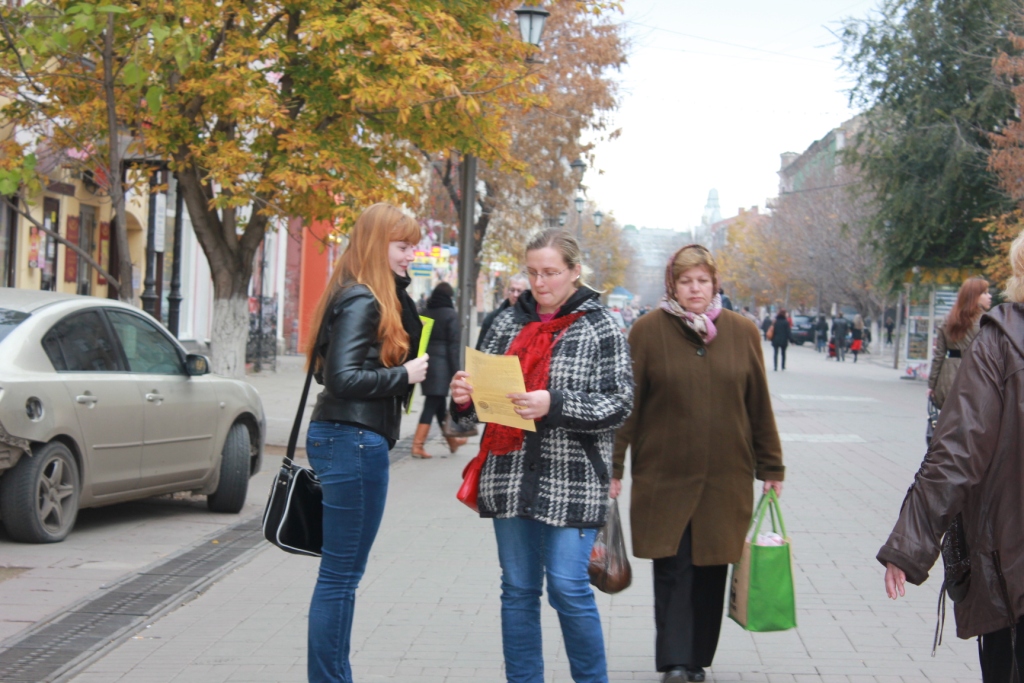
{"points": [[547, 491]]}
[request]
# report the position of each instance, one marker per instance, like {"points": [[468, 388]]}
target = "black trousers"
{"points": [[776, 356], [996, 653], [434, 406], [688, 606]]}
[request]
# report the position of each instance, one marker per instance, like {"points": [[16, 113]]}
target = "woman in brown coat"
{"points": [[974, 468], [701, 430], [955, 334]]}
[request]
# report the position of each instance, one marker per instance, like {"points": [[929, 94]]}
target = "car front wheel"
{"points": [[39, 496], [234, 472]]}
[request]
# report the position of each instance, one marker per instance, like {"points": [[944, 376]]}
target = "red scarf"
{"points": [[533, 345]]}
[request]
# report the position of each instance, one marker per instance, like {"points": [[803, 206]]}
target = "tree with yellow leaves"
{"points": [[310, 108]]}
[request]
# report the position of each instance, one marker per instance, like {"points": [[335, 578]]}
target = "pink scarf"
{"points": [[701, 323]]}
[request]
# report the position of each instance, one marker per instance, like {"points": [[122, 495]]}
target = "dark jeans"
{"points": [[352, 465], [688, 605], [996, 653], [776, 356], [434, 406]]}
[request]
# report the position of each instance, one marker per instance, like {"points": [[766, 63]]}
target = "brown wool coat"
{"points": [[702, 428]]}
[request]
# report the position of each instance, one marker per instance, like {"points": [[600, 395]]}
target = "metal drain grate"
{"points": [[50, 650]]}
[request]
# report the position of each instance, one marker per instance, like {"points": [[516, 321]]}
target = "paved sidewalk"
{"points": [[428, 608]]}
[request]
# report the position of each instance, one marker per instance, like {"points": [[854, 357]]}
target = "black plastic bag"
{"points": [[609, 565]]}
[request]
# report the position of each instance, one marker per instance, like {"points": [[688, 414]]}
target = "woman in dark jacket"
{"points": [[443, 349], [974, 468], [547, 490], [780, 337], [363, 356]]}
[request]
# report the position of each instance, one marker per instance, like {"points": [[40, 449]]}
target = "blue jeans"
{"points": [[352, 465], [528, 550]]}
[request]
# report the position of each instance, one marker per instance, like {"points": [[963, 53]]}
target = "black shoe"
{"points": [[696, 674], [676, 674]]}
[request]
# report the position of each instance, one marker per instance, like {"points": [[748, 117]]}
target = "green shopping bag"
{"points": [[761, 590]]}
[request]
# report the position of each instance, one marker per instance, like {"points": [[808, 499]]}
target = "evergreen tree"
{"points": [[923, 71]]}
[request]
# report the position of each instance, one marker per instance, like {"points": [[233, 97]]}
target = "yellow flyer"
{"points": [[492, 378]]}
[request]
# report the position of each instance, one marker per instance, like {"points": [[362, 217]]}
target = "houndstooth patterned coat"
{"points": [[561, 474]]}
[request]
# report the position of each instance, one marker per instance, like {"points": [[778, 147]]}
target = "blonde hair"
{"points": [[365, 262], [565, 244], [690, 256], [1015, 285]]}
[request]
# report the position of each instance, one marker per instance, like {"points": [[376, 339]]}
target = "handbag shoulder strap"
{"points": [[294, 438]]}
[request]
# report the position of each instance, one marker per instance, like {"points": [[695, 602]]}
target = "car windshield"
{"points": [[9, 320]]}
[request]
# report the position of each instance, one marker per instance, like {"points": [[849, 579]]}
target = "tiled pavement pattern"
{"points": [[428, 609]]}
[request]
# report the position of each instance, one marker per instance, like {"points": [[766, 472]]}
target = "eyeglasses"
{"points": [[546, 275]]}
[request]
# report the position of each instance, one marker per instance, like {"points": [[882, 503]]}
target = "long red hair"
{"points": [[365, 261], [967, 308]]}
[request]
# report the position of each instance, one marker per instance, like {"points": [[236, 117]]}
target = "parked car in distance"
{"points": [[803, 330], [100, 405]]}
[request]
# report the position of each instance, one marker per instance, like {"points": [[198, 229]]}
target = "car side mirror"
{"points": [[197, 365]]}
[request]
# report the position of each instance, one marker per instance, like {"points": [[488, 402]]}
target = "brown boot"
{"points": [[418, 440], [455, 441]]}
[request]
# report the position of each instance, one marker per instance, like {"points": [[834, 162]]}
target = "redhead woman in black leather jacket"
{"points": [[363, 356]]}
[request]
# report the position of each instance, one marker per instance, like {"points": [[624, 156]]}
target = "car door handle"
{"points": [[87, 399], [154, 397]]}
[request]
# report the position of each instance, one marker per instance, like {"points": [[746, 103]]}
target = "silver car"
{"points": [[99, 405]]}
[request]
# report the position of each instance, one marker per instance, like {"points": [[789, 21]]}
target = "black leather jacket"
{"points": [[358, 389]]}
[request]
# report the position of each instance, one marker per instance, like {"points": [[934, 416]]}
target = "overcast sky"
{"points": [[714, 92]]}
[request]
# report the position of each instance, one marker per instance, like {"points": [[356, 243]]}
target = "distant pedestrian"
{"points": [[517, 284], [364, 356], [820, 333], [628, 316], [692, 495], [954, 335], [974, 474], [444, 349], [765, 325], [726, 301], [857, 336], [840, 330], [889, 327], [547, 491], [421, 304], [749, 316], [780, 338]]}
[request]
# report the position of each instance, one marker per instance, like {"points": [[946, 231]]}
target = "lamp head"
{"points": [[531, 23], [579, 167]]}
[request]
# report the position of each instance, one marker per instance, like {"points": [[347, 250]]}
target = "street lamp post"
{"points": [[175, 297], [579, 216], [150, 300], [532, 19]]}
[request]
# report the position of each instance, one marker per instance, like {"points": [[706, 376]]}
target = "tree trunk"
{"points": [[231, 262], [229, 335]]}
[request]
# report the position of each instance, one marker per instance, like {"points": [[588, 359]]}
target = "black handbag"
{"points": [[294, 517]]}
